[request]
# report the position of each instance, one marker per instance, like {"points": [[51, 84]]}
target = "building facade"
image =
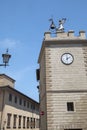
{"points": [[63, 81], [17, 111]]}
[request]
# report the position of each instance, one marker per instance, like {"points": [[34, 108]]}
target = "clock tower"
{"points": [[63, 81]]}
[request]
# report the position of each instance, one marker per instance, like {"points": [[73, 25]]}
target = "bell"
{"points": [[52, 26]]}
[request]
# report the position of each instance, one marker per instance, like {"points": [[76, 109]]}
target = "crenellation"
{"points": [[71, 33], [61, 35], [64, 35], [82, 34]]}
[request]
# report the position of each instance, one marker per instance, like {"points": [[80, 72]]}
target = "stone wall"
{"points": [[60, 83]]}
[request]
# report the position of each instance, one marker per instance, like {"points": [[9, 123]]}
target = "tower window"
{"points": [[38, 74], [70, 106]]}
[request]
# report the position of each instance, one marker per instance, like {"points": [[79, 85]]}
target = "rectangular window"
{"points": [[8, 120], [27, 104], [19, 122], [31, 123], [10, 97], [70, 106], [14, 121], [24, 121], [33, 106], [20, 101], [27, 122], [38, 74], [37, 123], [24, 103], [15, 99]]}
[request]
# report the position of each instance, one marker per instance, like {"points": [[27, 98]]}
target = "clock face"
{"points": [[67, 58]]}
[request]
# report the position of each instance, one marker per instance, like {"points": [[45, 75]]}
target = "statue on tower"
{"points": [[61, 22], [53, 28]]}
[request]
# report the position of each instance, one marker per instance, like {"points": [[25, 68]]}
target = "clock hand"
{"points": [[67, 58]]}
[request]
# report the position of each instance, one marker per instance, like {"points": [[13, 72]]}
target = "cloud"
{"points": [[8, 43]]}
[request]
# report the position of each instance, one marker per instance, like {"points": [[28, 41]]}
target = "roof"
{"points": [[6, 76], [12, 89]]}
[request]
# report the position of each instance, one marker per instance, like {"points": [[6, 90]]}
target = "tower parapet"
{"points": [[64, 35]]}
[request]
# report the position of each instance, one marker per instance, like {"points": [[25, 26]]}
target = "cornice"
{"points": [[61, 43]]}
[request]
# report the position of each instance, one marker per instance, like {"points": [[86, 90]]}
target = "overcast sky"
{"points": [[22, 27]]}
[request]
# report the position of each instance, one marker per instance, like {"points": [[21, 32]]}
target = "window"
{"points": [[38, 74], [14, 121], [10, 97], [23, 121], [70, 106], [8, 120], [20, 101], [15, 99], [24, 103], [27, 104], [33, 106], [32, 123], [37, 123], [19, 122], [27, 122]]}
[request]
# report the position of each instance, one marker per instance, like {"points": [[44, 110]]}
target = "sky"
{"points": [[22, 27]]}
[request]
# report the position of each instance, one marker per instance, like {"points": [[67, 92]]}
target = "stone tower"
{"points": [[63, 81]]}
